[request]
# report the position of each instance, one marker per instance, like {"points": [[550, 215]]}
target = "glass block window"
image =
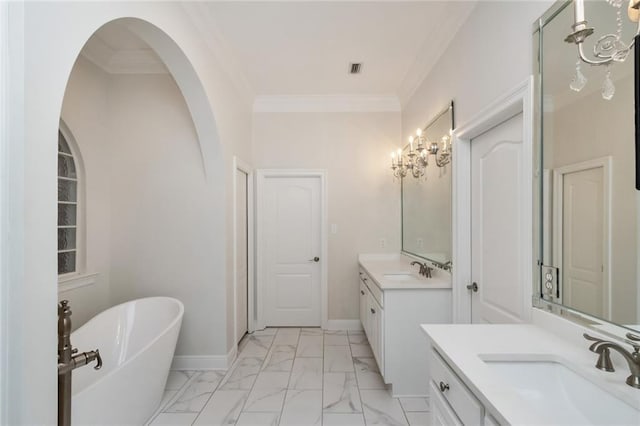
{"points": [[67, 208]]}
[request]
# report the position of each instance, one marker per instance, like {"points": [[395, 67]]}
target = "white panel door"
{"points": [[291, 220], [582, 241], [497, 234], [241, 253]]}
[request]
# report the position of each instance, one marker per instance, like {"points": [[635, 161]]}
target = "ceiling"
{"points": [[305, 48], [115, 49], [302, 48]]}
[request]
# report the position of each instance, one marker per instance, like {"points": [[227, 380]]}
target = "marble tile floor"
{"points": [[294, 377]]}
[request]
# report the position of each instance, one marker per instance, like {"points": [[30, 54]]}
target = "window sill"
{"points": [[76, 281]]}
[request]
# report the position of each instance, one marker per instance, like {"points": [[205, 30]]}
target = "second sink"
{"points": [[553, 388]]}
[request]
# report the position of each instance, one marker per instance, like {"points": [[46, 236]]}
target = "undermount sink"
{"points": [[399, 277], [551, 387]]}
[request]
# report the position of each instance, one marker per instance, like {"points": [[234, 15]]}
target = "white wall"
{"points": [[54, 33], [85, 111], [363, 199], [486, 58], [161, 239]]}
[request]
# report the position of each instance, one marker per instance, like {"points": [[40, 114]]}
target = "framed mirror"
{"points": [[588, 205], [426, 198]]}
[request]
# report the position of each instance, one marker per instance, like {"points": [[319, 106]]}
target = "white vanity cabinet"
{"points": [[456, 403], [372, 317], [391, 314]]}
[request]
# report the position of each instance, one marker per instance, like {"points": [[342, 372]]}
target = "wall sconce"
{"points": [[608, 49], [416, 160]]}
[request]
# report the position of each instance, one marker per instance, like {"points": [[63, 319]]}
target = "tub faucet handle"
{"points": [[98, 365]]}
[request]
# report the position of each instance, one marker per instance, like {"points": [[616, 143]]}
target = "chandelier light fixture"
{"points": [[609, 48], [415, 161]]}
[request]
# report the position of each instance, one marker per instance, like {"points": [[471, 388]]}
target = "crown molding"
{"points": [[427, 56], [327, 103]]}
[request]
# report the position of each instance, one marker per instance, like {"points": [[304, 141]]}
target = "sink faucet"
{"points": [[68, 360], [425, 270], [603, 349]]}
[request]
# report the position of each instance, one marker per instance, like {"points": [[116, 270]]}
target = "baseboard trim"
{"points": [[204, 362], [352, 325]]}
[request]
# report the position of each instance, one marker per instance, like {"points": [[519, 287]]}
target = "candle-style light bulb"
{"points": [[410, 139], [578, 10], [419, 132], [393, 159], [399, 156]]}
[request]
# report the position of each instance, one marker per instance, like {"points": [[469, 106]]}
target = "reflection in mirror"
{"points": [[589, 204], [426, 200]]}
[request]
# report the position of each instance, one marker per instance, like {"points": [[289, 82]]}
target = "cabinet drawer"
{"points": [[372, 286], [446, 382], [441, 412]]}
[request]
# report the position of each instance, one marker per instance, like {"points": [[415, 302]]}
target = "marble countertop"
{"points": [[466, 346], [379, 265]]}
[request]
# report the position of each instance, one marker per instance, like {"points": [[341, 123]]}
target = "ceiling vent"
{"points": [[355, 68]]}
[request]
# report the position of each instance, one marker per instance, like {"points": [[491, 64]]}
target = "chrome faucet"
{"points": [[603, 349], [425, 270], [68, 360]]}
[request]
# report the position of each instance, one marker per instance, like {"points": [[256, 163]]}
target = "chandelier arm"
{"points": [[584, 58]]}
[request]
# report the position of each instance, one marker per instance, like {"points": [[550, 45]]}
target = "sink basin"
{"points": [[399, 277], [550, 387]]}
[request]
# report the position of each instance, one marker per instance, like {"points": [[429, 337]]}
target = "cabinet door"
{"points": [[441, 412], [376, 325], [364, 307]]}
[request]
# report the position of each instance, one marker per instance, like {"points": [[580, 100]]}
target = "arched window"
{"points": [[68, 204]]}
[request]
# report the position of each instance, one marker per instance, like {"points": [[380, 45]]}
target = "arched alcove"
{"points": [[54, 34]]}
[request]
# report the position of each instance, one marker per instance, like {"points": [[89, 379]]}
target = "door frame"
{"points": [[240, 165], [516, 101], [261, 176], [558, 201]]}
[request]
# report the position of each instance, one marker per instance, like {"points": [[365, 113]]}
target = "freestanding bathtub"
{"points": [[136, 340]]}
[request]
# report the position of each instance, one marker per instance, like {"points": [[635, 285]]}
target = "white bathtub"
{"points": [[136, 340]]}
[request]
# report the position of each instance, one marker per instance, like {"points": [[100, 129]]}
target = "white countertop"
{"points": [[465, 346], [379, 265]]}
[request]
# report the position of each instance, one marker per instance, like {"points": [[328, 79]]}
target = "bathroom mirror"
{"points": [[588, 205], [426, 200]]}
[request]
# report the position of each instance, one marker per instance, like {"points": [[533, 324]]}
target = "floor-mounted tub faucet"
{"points": [[603, 349], [68, 360]]}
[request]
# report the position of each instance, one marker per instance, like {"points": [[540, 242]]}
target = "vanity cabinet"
{"points": [[391, 315], [372, 317], [456, 400]]}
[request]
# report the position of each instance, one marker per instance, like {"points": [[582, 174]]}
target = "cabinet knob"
{"points": [[444, 386], [373, 311], [362, 292]]}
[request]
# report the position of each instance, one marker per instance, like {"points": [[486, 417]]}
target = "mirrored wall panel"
{"points": [[426, 199], [589, 202]]}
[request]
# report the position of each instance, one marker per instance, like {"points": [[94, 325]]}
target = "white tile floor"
{"points": [[291, 376]]}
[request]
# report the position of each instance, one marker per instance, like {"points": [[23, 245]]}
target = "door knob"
{"points": [[473, 287], [315, 259]]}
